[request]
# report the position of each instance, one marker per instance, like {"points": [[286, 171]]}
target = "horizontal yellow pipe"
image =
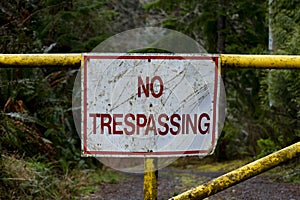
{"points": [[227, 60], [243, 173], [260, 61], [39, 60]]}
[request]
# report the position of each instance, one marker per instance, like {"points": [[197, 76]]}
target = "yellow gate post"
{"points": [[241, 174], [150, 179]]}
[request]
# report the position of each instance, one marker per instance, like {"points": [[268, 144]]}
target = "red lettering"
{"points": [[161, 86], [164, 124], [134, 123], [153, 127], [115, 124], [174, 123], [141, 86], [140, 124], [130, 124], [104, 123], [183, 125], [203, 131], [189, 123], [94, 121], [150, 86]]}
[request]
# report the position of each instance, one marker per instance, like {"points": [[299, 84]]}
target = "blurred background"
{"points": [[39, 145]]}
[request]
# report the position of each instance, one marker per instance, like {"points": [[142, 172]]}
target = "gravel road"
{"points": [[172, 182]]}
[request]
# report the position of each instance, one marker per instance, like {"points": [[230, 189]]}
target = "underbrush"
{"points": [[29, 179]]}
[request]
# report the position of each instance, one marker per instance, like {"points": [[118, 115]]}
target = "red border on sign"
{"points": [[159, 57]]}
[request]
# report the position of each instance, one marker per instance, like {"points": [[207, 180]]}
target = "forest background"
{"points": [[39, 146]]}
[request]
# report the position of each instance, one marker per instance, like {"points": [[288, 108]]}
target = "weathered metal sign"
{"points": [[149, 105]]}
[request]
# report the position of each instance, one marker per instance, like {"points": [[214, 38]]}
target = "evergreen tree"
{"points": [[280, 88]]}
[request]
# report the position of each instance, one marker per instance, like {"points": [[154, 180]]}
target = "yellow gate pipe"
{"points": [[39, 60], [227, 60], [260, 61], [243, 173]]}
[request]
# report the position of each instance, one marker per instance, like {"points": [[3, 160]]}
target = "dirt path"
{"points": [[172, 182]]}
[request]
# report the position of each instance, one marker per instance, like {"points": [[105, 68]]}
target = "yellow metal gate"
{"points": [[227, 61]]}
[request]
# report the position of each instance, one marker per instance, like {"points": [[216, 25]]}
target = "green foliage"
{"points": [[280, 94], [183, 16], [286, 28], [30, 179], [34, 108], [74, 26], [281, 104], [17, 30], [243, 126], [56, 25], [244, 26], [36, 117], [267, 146]]}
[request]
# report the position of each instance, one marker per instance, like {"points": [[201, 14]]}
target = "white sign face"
{"points": [[149, 105]]}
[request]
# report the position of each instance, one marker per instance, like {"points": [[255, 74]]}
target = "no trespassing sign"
{"points": [[149, 105]]}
